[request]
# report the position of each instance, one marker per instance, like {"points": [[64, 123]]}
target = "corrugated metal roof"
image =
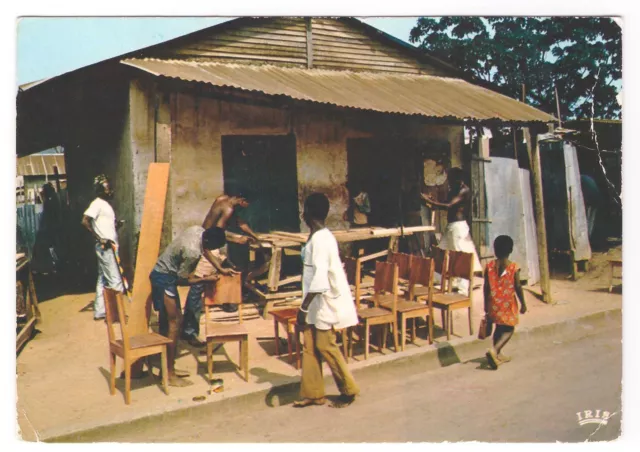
{"points": [[425, 95], [40, 165]]}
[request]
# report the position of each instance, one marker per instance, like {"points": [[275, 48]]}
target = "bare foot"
{"points": [[308, 402]]}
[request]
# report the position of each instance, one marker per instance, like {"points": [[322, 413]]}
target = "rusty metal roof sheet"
{"points": [[425, 95], [40, 165]]}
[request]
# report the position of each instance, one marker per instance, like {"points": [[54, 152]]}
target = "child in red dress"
{"points": [[501, 285]]}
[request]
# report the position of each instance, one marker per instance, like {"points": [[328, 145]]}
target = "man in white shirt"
{"points": [[327, 306], [100, 220]]}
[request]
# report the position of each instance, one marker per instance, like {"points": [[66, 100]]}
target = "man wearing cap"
{"points": [[176, 267]]}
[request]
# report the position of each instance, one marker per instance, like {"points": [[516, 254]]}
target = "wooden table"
{"points": [[278, 241], [613, 264], [29, 313]]}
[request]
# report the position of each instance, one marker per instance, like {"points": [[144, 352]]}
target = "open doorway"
{"points": [[263, 169]]}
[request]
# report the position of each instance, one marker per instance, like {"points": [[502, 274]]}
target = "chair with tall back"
{"points": [[130, 348], [459, 265], [385, 291], [228, 289], [421, 273]]}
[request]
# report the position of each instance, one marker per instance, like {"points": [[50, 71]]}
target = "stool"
{"points": [[287, 318], [614, 263]]}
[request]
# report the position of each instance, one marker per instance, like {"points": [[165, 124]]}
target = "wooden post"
{"points": [[538, 204]]}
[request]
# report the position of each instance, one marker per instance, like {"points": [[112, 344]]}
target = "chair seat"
{"points": [[445, 299], [285, 315], [368, 313], [420, 291], [405, 305], [214, 330], [144, 340]]}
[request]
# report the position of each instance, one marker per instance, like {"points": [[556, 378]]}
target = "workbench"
{"points": [[276, 242], [27, 311]]}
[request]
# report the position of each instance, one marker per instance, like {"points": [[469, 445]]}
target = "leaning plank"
{"points": [[148, 245]]}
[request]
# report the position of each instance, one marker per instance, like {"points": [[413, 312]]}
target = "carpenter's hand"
{"points": [[106, 243], [301, 318], [523, 309], [212, 278], [229, 272]]}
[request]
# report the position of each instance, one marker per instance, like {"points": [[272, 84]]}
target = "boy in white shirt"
{"points": [[100, 220], [327, 306]]}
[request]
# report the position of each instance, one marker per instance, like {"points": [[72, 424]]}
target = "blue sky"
{"points": [[47, 47]]}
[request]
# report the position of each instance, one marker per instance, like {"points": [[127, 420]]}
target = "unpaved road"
{"points": [[534, 398]]}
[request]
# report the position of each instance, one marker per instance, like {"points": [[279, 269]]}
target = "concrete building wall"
{"points": [[196, 155]]}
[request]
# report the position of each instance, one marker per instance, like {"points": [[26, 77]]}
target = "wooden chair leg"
{"points": [[403, 332], [165, 371], [289, 349], [470, 322], [429, 320], [276, 335], [127, 382], [450, 317], [395, 335], [366, 340], [240, 355], [245, 358], [448, 324], [210, 359], [112, 366], [413, 330], [610, 277], [444, 321]]}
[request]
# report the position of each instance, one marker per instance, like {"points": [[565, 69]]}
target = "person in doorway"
{"points": [[457, 236], [358, 215], [100, 220], [501, 287], [176, 267], [327, 306], [222, 213]]}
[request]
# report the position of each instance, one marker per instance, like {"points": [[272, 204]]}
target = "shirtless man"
{"points": [[457, 236], [219, 217]]}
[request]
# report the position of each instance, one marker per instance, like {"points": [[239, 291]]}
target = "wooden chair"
{"points": [[130, 348], [459, 265], [287, 318], [421, 273], [385, 291], [228, 289], [403, 261]]}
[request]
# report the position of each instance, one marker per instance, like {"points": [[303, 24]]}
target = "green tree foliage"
{"points": [[582, 56]]}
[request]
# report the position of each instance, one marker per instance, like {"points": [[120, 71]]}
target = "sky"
{"points": [[50, 46]]}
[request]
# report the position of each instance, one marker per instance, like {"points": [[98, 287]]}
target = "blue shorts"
{"points": [[161, 284]]}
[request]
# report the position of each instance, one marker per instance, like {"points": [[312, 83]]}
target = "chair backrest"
{"points": [[386, 281], [227, 289], [115, 313], [403, 261], [460, 265], [440, 265], [421, 273], [353, 269]]}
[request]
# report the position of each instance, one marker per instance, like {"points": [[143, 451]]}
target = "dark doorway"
{"points": [[263, 168]]}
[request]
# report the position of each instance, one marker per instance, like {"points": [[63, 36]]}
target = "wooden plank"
{"points": [[25, 333], [274, 269], [240, 56], [254, 43], [264, 36], [148, 245], [247, 50], [289, 280], [309, 43], [330, 52], [541, 228]]}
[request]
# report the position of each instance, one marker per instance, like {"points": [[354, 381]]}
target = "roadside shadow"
{"points": [[447, 354], [535, 294], [88, 307], [136, 383], [482, 362], [617, 289], [284, 394]]}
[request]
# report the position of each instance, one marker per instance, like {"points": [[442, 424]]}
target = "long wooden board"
{"points": [[148, 245]]}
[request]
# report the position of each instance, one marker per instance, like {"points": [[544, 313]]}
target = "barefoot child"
{"points": [[501, 285]]}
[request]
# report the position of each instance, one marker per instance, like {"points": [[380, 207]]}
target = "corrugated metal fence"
{"points": [[28, 223]]}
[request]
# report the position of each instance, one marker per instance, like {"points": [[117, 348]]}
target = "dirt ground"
{"points": [[62, 373]]}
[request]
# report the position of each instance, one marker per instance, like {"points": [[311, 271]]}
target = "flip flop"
{"points": [[181, 373], [179, 382], [308, 402], [343, 401], [504, 358]]}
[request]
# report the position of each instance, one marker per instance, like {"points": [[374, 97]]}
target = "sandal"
{"points": [[343, 401], [308, 402], [504, 358]]}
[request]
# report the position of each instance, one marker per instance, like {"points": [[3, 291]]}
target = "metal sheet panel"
{"points": [[424, 95]]}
